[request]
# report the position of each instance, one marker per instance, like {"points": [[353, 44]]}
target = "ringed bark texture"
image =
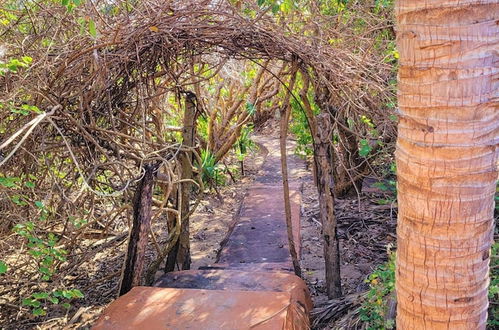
{"points": [[446, 160]]}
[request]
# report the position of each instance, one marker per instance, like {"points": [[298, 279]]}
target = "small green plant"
{"points": [[388, 186], [211, 173], [381, 285], [3, 267], [493, 321], [40, 301], [365, 147], [300, 129], [244, 144], [43, 250], [15, 64]]}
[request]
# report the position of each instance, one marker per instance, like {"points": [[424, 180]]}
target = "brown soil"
{"points": [[365, 234]]}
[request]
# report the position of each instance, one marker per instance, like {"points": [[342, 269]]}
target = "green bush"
{"points": [[212, 174], [381, 286], [300, 129], [494, 287]]}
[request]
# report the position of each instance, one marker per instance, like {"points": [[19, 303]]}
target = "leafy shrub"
{"points": [[389, 186], [300, 129], [212, 174], [244, 144], [381, 286], [493, 321]]}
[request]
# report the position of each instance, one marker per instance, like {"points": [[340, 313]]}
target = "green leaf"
{"points": [[77, 293], [9, 182], [18, 200], [27, 59], [44, 270], [36, 303], [365, 148], [66, 305], [53, 300], [250, 108], [67, 294], [39, 204], [29, 184], [40, 295], [91, 28], [3, 267], [380, 185], [30, 108], [39, 312]]}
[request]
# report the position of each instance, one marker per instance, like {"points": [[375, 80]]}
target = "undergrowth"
{"points": [[376, 306], [493, 321]]}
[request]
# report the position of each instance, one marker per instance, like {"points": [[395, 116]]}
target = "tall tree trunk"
{"points": [[446, 161], [181, 253]]}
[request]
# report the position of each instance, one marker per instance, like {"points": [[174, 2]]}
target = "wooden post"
{"points": [[324, 164], [137, 244], [285, 114], [181, 253]]}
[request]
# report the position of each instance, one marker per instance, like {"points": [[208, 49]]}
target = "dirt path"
{"points": [[259, 236], [214, 218], [210, 222]]}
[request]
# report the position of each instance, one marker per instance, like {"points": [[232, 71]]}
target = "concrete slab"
{"points": [[152, 308], [241, 281]]}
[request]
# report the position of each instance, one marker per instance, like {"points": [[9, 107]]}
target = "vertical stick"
{"points": [[134, 263], [325, 186], [285, 114]]}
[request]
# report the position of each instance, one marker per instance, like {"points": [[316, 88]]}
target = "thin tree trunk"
{"points": [[325, 185], [285, 114], [134, 263], [446, 161], [181, 253], [321, 131]]}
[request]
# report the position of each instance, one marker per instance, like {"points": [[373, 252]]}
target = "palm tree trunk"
{"points": [[446, 161]]}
